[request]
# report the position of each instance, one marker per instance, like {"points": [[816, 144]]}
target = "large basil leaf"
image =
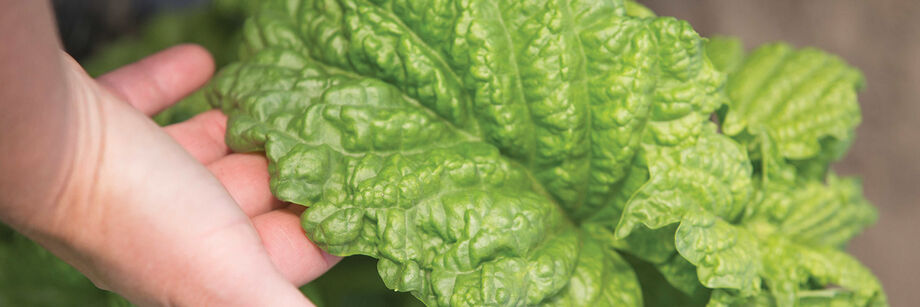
{"points": [[507, 152], [449, 218]]}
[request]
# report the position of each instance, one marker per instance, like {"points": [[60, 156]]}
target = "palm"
{"points": [[161, 223]]}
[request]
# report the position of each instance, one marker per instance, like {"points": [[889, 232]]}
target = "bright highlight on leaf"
{"points": [[533, 153]]}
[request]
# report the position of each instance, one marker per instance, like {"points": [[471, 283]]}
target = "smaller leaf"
{"points": [[725, 256], [713, 175], [800, 97]]}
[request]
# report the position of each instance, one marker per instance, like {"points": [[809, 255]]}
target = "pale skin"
{"points": [[162, 216]]}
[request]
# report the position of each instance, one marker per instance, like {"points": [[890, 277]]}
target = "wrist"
{"points": [[48, 211], [42, 156]]}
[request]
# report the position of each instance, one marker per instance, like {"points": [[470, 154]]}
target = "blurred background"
{"points": [[880, 37]]}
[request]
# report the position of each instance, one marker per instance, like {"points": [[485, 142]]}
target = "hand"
{"points": [[168, 215]]}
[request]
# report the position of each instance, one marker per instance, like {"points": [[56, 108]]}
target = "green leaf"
{"points": [[795, 111], [713, 175], [506, 152], [454, 161], [800, 97], [703, 187], [726, 257], [835, 279], [813, 213], [599, 278], [449, 218], [541, 85]]}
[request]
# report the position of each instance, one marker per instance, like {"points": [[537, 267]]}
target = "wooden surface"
{"points": [[882, 38]]}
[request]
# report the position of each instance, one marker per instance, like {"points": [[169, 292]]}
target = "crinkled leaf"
{"points": [[813, 213], [600, 277], [795, 111], [725, 256], [826, 213], [504, 153], [701, 187], [449, 217], [713, 175], [568, 89], [802, 275], [453, 141], [801, 97]]}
